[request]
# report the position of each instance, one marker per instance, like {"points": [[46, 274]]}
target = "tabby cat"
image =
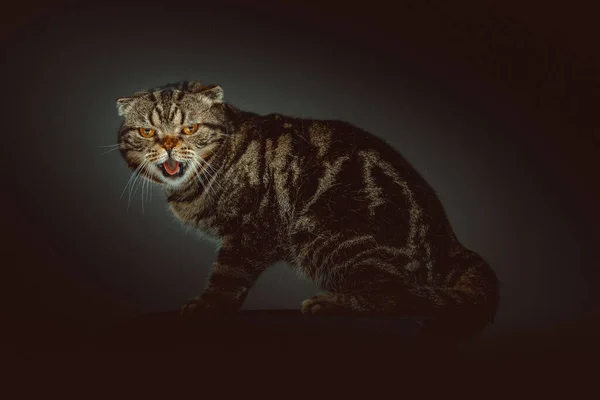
{"points": [[337, 203]]}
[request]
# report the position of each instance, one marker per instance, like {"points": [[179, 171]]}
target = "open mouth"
{"points": [[172, 168]]}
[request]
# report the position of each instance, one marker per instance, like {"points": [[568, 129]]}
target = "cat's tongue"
{"points": [[171, 166]]}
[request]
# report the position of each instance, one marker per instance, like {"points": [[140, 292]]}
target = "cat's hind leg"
{"points": [[460, 308], [367, 289], [344, 304]]}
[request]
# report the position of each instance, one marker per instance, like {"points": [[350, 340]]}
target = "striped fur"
{"points": [[337, 203]]}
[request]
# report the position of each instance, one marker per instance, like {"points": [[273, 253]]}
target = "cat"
{"points": [[339, 204]]}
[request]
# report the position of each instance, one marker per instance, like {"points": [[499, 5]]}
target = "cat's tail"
{"points": [[466, 305]]}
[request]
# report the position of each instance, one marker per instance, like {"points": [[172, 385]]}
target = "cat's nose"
{"points": [[169, 142]]}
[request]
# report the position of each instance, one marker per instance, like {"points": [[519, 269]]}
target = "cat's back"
{"points": [[314, 164], [314, 144]]}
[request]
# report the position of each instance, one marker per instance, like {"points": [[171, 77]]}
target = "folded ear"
{"points": [[210, 94], [124, 104]]}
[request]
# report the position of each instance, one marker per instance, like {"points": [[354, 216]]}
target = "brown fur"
{"points": [[337, 203]]}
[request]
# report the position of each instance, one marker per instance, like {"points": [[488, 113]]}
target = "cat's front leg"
{"points": [[234, 272]]}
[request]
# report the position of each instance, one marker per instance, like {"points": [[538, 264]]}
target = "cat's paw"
{"points": [[322, 305], [194, 306], [206, 305]]}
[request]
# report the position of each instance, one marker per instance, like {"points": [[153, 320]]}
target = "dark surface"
{"points": [[285, 350], [284, 332], [270, 330]]}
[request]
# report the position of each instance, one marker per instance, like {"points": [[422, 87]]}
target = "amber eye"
{"points": [[146, 132], [192, 128]]}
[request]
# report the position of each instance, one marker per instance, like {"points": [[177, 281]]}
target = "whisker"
{"points": [[108, 151], [224, 134], [143, 183], [140, 183], [196, 164], [110, 145], [146, 186], [130, 178], [212, 176], [208, 164], [208, 185], [143, 165], [132, 188], [148, 189], [199, 158]]}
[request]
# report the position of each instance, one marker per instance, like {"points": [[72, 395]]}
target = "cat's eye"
{"points": [[146, 132], [191, 128]]}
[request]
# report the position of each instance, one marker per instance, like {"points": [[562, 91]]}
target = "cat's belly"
{"points": [[325, 257]]}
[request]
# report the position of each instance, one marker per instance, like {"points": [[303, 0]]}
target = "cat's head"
{"points": [[169, 134]]}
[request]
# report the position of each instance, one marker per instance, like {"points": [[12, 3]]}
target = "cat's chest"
{"points": [[194, 215], [183, 211]]}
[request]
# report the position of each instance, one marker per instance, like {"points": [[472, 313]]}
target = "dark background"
{"points": [[495, 103]]}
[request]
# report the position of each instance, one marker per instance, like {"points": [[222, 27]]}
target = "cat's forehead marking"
{"points": [[169, 109], [166, 108], [155, 118]]}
